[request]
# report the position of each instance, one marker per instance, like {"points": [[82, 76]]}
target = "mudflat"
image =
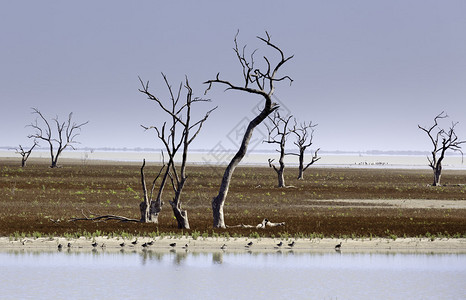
{"points": [[223, 244], [328, 203]]}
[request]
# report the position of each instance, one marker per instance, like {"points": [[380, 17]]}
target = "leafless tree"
{"points": [[304, 136], [258, 82], [442, 141], [277, 134], [25, 154], [62, 138], [181, 132]]}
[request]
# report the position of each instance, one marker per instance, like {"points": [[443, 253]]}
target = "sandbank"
{"points": [[212, 244]]}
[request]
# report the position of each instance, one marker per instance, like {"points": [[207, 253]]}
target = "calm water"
{"points": [[230, 275]]}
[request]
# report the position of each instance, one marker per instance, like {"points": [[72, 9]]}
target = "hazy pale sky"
{"points": [[368, 72]]}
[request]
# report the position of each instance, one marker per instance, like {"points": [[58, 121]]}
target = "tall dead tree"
{"points": [[304, 136], [278, 132], [25, 154], [179, 135], [258, 82], [61, 137], [442, 141]]}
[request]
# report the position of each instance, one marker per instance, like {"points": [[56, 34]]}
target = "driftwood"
{"points": [[261, 225], [104, 218]]}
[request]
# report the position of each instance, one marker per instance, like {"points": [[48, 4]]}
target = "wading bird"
{"points": [[280, 244], [224, 246], [134, 242], [94, 244], [249, 244], [122, 244], [172, 245], [291, 244], [338, 247]]}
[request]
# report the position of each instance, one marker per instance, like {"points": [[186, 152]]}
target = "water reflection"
{"points": [[103, 273]]}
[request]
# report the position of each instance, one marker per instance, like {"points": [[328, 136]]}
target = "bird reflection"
{"points": [[217, 258]]}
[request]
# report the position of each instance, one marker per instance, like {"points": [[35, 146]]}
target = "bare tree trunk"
{"points": [[281, 177], [303, 168], [280, 171], [219, 200], [54, 162], [150, 209], [281, 162], [301, 165], [181, 215], [145, 204], [263, 81], [150, 214], [437, 174]]}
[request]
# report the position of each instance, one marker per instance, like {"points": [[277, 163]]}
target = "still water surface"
{"points": [[230, 275]]}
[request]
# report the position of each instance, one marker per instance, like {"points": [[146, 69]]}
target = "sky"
{"points": [[367, 72]]}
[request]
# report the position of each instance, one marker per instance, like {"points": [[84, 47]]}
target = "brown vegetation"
{"points": [[41, 199]]}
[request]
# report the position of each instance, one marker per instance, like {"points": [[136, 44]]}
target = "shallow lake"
{"points": [[29, 274]]}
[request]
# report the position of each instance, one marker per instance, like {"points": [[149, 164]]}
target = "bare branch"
{"points": [[179, 135], [260, 78], [313, 160]]}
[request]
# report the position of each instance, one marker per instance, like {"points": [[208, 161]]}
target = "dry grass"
{"points": [[32, 197]]}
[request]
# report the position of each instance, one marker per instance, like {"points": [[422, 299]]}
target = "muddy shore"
{"points": [[376, 245]]}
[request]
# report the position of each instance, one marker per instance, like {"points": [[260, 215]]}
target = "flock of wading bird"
{"points": [[146, 245]]}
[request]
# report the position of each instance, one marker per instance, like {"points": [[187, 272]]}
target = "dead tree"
{"points": [[150, 208], [277, 134], [25, 154], [442, 141], [181, 132], [258, 82], [62, 138], [304, 136]]}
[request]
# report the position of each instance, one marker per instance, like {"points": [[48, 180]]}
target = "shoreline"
{"points": [[253, 159], [212, 244]]}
